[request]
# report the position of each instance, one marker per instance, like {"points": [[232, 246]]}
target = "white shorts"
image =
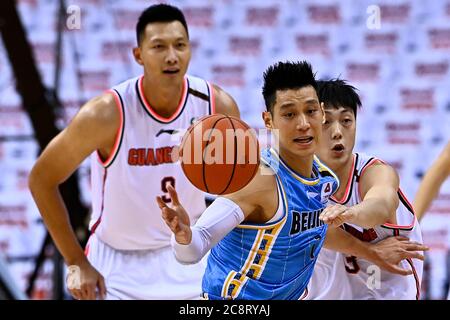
{"points": [[329, 280], [145, 274]]}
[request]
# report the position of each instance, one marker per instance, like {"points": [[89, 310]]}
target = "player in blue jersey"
{"points": [[265, 238]]}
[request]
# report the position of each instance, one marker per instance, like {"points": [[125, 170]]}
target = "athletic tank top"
{"points": [[366, 280], [142, 164], [274, 260]]}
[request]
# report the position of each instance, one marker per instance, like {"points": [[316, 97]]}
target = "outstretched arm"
{"points": [[191, 243], [378, 187], [387, 253], [431, 182]]}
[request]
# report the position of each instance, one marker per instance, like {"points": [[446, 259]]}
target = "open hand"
{"points": [[336, 215], [389, 252], [176, 217]]}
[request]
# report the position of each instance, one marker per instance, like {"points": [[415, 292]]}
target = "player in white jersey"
{"points": [[131, 132], [370, 206]]}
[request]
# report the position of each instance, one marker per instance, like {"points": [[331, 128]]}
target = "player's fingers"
{"points": [[174, 224], [101, 288], [325, 212], [86, 290], [76, 293], [416, 246], [90, 291], [334, 216], [173, 195], [339, 213], [415, 254], [325, 216], [161, 203], [399, 270], [411, 254]]}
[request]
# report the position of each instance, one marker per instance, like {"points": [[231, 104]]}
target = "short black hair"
{"points": [[284, 76], [336, 93], [159, 13]]}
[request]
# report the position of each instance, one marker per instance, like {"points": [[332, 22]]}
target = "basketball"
{"points": [[219, 154]]}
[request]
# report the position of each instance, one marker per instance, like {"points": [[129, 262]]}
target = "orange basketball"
{"points": [[219, 154]]}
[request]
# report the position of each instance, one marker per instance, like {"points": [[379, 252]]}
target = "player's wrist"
{"points": [[353, 214], [184, 239], [79, 260], [363, 250], [370, 253]]}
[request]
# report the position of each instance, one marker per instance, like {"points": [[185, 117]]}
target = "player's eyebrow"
{"points": [[330, 111], [157, 38], [287, 105], [311, 101]]}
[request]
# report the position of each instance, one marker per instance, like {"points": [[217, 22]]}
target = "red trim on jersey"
{"points": [[349, 183], [212, 98], [118, 133], [411, 209], [416, 278], [97, 223], [396, 226], [147, 106], [86, 250], [411, 263], [407, 201]]}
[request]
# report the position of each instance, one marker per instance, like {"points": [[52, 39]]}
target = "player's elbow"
{"points": [[186, 255], [38, 180], [386, 213], [34, 179]]}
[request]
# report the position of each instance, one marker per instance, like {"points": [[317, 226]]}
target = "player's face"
{"points": [[164, 51], [338, 140], [297, 116]]}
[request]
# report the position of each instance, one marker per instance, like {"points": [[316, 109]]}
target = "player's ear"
{"points": [[322, 109], [137, 55], [267, 117]]}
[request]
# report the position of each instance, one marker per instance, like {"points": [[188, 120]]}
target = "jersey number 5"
{"points": [[164, 184], [351, 265]]}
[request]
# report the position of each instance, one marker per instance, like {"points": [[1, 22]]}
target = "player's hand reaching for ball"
{"points": [[336, 215], [176, 217]]}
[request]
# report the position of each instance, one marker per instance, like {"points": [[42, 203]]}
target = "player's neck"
{"points": [[163, 98], [301, 165]]}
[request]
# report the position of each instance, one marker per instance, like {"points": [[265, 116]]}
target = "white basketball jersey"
{"points": [[349, 277], [141, 166]]}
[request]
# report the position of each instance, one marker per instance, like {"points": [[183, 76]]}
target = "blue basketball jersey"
{"points": [[274, 260]]}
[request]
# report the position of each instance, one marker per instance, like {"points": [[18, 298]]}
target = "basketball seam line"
{"points": [[235, 155], [204, 152]]}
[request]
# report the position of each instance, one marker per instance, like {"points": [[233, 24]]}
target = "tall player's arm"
{"points": [[225, 104], [432, 181], [256, 203], [386, 253], [93, 128], [378, 190]]}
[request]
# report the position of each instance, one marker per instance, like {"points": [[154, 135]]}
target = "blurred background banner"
{"points": [[397, 53]]}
